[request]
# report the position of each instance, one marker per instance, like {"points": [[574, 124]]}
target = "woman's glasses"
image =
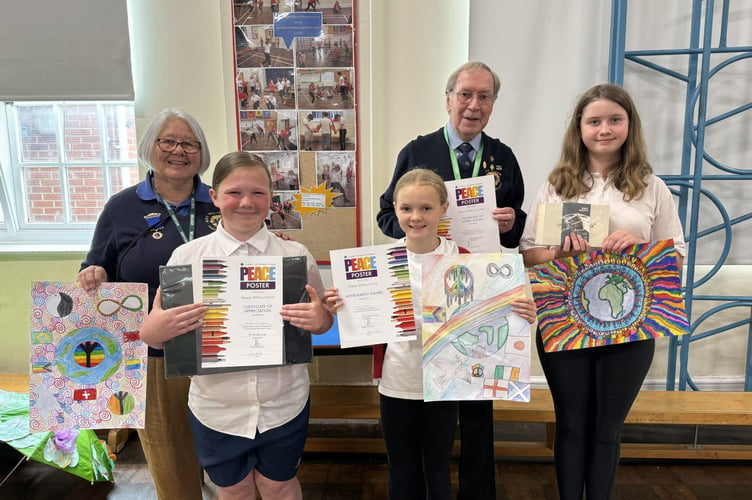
{"points": [[170, 145]]}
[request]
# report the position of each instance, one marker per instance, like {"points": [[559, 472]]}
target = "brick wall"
{"points": [[84, 176]]}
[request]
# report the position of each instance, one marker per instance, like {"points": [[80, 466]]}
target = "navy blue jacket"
{"points": [[432, 151]]}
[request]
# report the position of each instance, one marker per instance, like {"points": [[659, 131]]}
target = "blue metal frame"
{"points": [[688, 184]]}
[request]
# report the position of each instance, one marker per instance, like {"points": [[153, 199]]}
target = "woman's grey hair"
{"points": [[149, 139]]}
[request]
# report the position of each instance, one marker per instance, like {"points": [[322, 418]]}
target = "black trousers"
{"points": [[477, 470], [593, 390], [419, 437]]}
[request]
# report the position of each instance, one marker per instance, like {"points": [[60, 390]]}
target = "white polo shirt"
{"points": [[239, 403]]}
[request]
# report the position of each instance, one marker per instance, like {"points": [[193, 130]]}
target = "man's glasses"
{"points": [[466, 97], [170, 145]]}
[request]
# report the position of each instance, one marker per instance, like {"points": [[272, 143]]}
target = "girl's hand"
{"points": [[525, 307], [162, 325], [91, 277], [574, 244], [284, 236], [332, 300], [617, 241], [313, 316]]}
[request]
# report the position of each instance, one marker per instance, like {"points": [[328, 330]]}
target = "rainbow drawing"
{"points": [[474, 344]]}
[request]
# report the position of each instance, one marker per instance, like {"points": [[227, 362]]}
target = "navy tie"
{"points": [[463, 159]]}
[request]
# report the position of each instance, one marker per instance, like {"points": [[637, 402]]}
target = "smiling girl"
{"points": [[419, 435], [249, 427], [603, 161]]}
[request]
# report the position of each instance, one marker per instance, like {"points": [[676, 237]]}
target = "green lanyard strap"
{"points": [[453, 157], [174, 217]]}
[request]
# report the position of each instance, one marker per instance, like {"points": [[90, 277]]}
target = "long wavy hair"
{"points": [[570, 176]]}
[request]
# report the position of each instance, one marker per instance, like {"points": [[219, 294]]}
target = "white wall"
{"points": [[182, 57]]}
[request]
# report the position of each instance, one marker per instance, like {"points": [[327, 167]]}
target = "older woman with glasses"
{"points": [[135, 234]]}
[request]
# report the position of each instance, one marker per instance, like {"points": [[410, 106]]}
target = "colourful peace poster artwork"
{"points": [[88, 363], [474, 346], [599, 299]]}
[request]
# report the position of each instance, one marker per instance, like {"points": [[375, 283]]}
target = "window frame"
{"points": [[16, 232]]}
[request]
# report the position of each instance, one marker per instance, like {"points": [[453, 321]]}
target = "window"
{"points": [[61, 161]]}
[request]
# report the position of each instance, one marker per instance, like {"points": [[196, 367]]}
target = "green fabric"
{"points": [[90, 460]]}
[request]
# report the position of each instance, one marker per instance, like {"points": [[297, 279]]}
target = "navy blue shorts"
{"points": [[275, 453]]}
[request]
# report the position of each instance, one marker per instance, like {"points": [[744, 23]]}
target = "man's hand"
{"points": [[504, 217]]}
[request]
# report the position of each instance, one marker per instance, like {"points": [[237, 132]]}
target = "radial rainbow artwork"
{"points": [[600, 299]]}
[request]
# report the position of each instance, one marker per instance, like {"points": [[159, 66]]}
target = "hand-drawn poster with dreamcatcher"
{"points": [[295, 86], [599, 299], [88, 363], [474, 346]]}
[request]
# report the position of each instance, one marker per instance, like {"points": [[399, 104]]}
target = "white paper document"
{"points": [[243, 326], [374, 283], [469, 220]]}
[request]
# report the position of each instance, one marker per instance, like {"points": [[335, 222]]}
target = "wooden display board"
{"points": [[296, 108]]}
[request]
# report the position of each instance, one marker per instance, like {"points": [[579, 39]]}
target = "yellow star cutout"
{"points": [[313, 200]]}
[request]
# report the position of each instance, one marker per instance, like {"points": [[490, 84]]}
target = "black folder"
{"points": [[183, 353]]}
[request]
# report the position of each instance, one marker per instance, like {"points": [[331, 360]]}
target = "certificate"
{"points": [[474, 346], [242, 326], [469, 220], [374, 284], [207, 350]]}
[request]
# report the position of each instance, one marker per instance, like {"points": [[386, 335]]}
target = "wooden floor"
{"points": [[364, 477]]}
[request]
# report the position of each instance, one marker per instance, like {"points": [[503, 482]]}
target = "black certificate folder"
{"points": [[183, 354]]}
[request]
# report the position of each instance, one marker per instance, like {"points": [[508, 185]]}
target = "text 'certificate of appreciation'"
{"points": [[469, 220], [374, 284], [243, 326]]}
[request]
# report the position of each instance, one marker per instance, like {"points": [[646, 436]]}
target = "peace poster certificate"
{"points": [[474, 346], [242, 326], [469, 220], [88, 363], [374, 284]]}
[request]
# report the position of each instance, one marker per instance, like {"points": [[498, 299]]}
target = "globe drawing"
{"points": [[608, 297]]}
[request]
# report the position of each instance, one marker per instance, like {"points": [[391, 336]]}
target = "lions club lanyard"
{"points": [[453, 157]]}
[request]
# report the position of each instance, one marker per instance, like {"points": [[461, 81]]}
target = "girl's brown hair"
{"points": [[238, 159], [568, 176]]}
